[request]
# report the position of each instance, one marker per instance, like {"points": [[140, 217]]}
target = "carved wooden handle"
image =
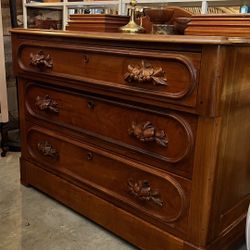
{"points": [[41, 61], [47, 104], [145, 73], [141, 189], [146, 131], [47, 150]]}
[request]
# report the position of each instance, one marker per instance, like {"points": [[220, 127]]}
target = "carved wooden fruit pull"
{"points": [[46, 103], [141, 189], [145, 73], [47, 150], [146, 131], [41, 61]]}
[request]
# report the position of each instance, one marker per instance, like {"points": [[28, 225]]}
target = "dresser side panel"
{"points": [[204, 174], [234, 160]]}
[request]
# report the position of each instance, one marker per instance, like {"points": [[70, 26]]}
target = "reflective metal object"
{"points": [[132, 26]]}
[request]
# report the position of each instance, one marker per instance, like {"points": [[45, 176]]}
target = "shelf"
{"points": [[92, 3], [44, 5], [122, 5]]}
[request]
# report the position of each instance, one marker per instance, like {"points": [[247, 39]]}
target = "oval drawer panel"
{"points": [[172, 74], [165, 137], [154, 195]]}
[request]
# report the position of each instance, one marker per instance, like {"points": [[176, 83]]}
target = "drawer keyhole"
{"points": [[85, 59], [91, 104], [90, 156]]}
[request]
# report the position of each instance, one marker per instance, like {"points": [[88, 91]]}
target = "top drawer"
{"points": [[157, 75]]}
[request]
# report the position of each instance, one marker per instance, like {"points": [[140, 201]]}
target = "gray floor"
{"points": [[32, 221]]}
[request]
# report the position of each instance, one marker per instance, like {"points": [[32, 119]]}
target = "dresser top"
{"points": [[188, 39]]}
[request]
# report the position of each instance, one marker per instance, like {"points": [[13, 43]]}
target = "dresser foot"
{"points": [[25, 183], [23, 171]]}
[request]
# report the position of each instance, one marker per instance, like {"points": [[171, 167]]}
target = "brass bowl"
{"points": [[159, 15]]}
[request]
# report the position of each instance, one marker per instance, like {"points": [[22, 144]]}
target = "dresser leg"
{"points": [[23, 173], [4, 138]]}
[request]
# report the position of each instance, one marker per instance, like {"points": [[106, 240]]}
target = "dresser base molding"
{"points": [[129, 225]]}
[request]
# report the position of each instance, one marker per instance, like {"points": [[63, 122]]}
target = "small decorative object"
{"points": [[159, 15], [145, 73], [47, 104], [41, 61], [160, 20], [244, 8], [132, 26], [163, 29], [146, 131], [141, 189], [47, 150]]}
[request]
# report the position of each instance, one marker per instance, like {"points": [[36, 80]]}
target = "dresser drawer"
{"points": [[165, 140], [153, 195], [170, 76]]}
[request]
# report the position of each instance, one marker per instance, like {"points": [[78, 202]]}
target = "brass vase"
{"points": [[132, 26]]}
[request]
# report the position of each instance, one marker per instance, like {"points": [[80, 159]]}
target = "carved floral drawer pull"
{"points": [[145, 73], [141, 189], [47, 150], [46, 103], [146, 131], [41, 61]]}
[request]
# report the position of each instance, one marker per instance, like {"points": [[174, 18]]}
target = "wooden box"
{"points": [[222, 25], [96, 22]]}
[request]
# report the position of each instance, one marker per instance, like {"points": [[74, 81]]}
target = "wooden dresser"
{"points": [[146, 135]]}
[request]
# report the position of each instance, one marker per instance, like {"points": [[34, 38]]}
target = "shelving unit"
{"points": [[65, 5], [122, 5]]}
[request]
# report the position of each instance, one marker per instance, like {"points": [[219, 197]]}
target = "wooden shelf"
{"points": [[122, 5]]}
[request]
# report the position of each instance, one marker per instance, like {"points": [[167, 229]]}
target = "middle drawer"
{"points": [[162, 139]]}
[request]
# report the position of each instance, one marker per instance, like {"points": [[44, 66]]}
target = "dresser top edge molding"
{"points": [[186, 39]]}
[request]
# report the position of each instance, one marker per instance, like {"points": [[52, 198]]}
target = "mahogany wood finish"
{"points": [[163, 166], [85, 63], [223, 25], [96, 22]]}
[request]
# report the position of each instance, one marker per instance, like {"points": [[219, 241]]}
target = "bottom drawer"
{"points": [[130, 227], [150, 194]]}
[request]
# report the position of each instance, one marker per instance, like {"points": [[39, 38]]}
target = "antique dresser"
{"points": [[146, 135]]}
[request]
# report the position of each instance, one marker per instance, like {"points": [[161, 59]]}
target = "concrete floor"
{"points": [[32, 221]]}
